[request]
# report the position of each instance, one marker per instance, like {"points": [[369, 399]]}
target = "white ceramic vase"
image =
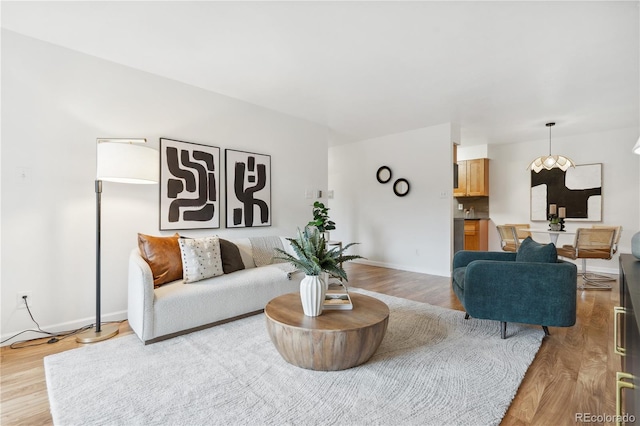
{"points": [[312, 291]]}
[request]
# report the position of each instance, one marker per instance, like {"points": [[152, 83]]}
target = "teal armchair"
{"points": [[508, 287]]}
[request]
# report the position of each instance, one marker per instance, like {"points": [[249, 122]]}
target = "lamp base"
{"points": [[91, 336]]}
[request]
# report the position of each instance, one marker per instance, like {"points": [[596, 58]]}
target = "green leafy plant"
{"points": [[313, 257], [321, 218]]}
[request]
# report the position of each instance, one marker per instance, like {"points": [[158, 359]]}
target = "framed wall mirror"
{"points": [[401, 187], [383, 174]]}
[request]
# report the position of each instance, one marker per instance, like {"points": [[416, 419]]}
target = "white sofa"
{"points": [[177, 308]]}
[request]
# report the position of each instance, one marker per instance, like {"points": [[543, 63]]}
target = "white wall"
{"points": [[412, 233], [55, 103], [472, 152], [510, 184]]}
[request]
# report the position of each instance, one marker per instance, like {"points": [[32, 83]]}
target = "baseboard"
{"points": [[61, 327], [397, 267], [596, 269], [607, 271]]}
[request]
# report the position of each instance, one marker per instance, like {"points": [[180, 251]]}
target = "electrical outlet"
{"points": [[20, 304]]}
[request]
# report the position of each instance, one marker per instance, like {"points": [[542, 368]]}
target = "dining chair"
{"points": [[509, 240], [521, 230], [592, 243], [616, 237]]}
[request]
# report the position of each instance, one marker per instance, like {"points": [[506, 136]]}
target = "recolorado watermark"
{"points": [[604, 418]]}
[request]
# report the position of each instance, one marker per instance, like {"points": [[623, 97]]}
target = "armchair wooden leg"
{"points": [[466, 315], [546, 330], [503, 330]]}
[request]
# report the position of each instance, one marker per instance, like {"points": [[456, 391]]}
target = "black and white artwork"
{"points": [[248, 195], [578, 189], [189, 185]]}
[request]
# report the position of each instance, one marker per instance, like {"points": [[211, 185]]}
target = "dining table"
{"points": [[553, 235]]}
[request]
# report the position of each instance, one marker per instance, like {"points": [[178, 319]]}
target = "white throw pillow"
{"points": [[200, 258]]}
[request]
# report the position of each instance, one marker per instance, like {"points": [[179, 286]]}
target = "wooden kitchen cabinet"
{"points": [[476, 234], [461, 190], [473, 178]]}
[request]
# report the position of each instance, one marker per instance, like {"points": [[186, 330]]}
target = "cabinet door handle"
{"points": [[617, 311], [620, 385]]}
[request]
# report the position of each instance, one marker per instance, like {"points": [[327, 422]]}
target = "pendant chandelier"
{"points": [[551, 161]]}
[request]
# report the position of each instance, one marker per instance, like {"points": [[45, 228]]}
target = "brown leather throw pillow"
{"points": [[231, 258], [163, 256]]}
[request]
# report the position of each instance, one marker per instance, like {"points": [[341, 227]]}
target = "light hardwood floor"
{"points": [[574, 371]]}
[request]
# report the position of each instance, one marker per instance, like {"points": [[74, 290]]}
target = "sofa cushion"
{"points": [[200, 258], [246, 251], [264, 249], [531, 251], [163, 256], [231, 257]]}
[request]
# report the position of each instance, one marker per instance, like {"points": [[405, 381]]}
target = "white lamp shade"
{"points": [[127, 163], [551, 161], [636, 148]]}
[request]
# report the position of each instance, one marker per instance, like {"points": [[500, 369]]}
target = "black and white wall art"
{"points": [[248, 195], [189, 185], [578, 189]]}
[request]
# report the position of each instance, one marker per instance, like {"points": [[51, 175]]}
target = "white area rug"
{"points": [[432, 368]]}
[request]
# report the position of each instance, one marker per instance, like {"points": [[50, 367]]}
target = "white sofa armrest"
{"points": [[140, 296]]}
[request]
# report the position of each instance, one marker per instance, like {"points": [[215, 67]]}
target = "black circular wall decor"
{"points": [[401, 187], [383, 174]]}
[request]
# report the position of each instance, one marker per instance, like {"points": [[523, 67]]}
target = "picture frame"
{"points": [[189, 185], [579, 190], [248, 189]]}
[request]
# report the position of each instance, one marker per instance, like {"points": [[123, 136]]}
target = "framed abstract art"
{"points": [[578, 189], [189, 185], [248, 194]]}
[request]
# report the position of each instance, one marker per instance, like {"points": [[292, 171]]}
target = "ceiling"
{"points": [[500, 70]]}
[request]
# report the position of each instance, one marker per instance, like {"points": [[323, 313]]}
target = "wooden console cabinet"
{"points": [[473, 178], [476, 234], [627, 341]]}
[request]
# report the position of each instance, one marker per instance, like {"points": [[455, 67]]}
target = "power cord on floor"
{"points": [[55, 337]]}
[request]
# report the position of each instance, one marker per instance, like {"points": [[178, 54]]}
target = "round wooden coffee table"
{"points": [[335, 340]]}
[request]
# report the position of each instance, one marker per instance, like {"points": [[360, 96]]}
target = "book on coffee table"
{"points": [[337, 297]]}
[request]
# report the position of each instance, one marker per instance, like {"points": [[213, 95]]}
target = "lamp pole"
{"points": [[98, 333], [98, 252]]}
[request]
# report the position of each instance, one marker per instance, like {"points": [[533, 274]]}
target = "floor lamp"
{"points": [[122, 161]]}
